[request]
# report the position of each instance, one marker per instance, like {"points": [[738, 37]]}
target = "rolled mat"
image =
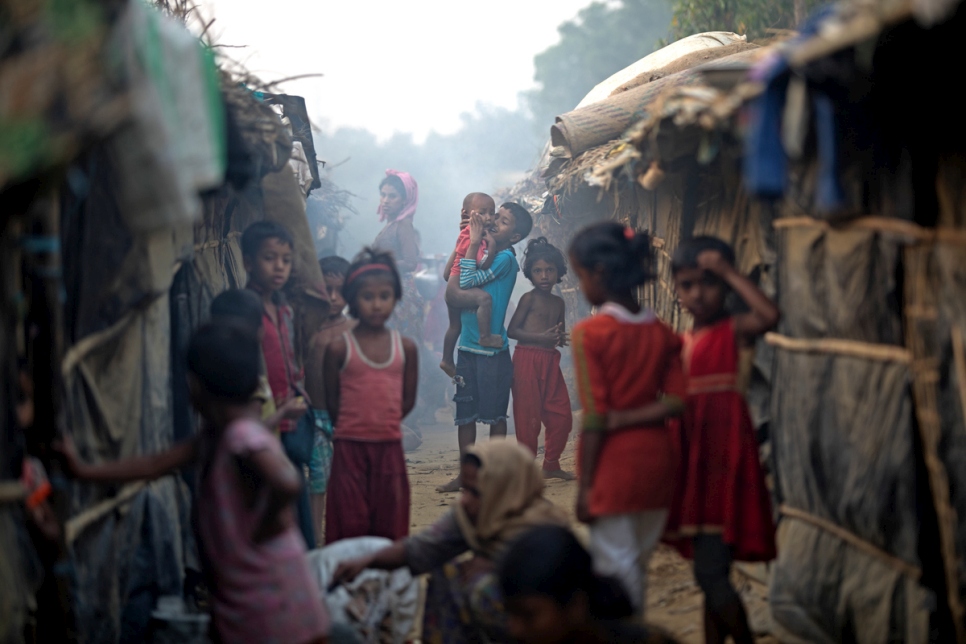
{"points": [[596, 124]]}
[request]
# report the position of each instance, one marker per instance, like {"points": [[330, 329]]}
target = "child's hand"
{"points": [[66, 448], [582, 510], [464, 219], [349, 570], [476, 228], [294, 408], [552, 334], [714, 262], [563, 339]]}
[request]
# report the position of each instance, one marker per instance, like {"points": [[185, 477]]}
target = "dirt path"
{"points": [[674, 601]]}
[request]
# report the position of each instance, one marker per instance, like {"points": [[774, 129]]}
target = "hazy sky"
{"points": [[393, 66]]}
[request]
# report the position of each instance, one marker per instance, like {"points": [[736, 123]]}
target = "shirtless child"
{"points": [[334, 270], [539, 391], [471, 298]]}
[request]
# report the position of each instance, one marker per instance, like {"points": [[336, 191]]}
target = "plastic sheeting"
{"points": [[844, 447], [582, 129], [117, 375], [374, 599], [658, 59], [13, 578]]}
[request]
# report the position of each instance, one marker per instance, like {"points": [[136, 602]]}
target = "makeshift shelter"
{"points": [[143, 206], [835, 173]]}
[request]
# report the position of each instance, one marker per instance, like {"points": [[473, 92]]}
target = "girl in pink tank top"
{"points": [[370, 384]]}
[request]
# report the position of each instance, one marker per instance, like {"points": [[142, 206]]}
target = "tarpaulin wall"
{"points": [[844, 443], [130, 544]]}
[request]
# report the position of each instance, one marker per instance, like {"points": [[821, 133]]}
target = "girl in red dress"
{"points": [[630, 380], [722, 509]]}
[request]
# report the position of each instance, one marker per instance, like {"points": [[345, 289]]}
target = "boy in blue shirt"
{"points": [[484, 374]]}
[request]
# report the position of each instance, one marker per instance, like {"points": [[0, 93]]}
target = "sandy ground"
{"points": [[674, 600]]}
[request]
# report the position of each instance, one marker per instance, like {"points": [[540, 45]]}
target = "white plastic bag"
{"points": [[375, 599]]}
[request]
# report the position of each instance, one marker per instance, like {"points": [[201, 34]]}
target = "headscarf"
{"points": [[511, 498], [411, 196]]}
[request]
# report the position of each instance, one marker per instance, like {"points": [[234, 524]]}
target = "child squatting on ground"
{"points": [[539, 391], [722, 509], [334, 271], [252, 552], [484, 374], [457, 298], [267, 250], [628, 370], [370, 386]]}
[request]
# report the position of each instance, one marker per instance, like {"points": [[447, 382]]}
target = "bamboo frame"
{"points": [[906, 568], [886, 225], [921, 340], [836, 346], [77, 524]]}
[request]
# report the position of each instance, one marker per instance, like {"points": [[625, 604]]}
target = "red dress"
{"points": [[723, 487], [625, 360]]}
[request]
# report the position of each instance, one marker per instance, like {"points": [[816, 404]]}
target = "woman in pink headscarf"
{"points": [[398, 197]]}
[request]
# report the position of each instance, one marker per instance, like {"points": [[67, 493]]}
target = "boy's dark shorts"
{"points": [[483, 387]]}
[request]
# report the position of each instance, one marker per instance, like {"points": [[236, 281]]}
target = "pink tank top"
{"points": [[370, 394]]}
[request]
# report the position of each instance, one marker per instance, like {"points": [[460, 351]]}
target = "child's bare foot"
{"points": [[559, 474], [448, 368], [452, 486], [491, 341]]}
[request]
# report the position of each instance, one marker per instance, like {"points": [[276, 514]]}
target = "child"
{"points": [[539, 390], [458, 298], [241, 306], [723, 505], [552, 595], [334, 270], [630, 380], [262, 589], [370, 386], [484, 374], [267, 250]]}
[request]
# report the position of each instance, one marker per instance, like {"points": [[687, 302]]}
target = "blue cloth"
{"points": [[765, 163], [829, 193], [298, 447], [498, 281]]}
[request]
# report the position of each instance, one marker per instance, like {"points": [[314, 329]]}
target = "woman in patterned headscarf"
{"points": [[398, 198], [502, 498]]}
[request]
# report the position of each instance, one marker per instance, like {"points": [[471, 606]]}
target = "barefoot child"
{"points": [[370, 386], [334, 271], [723, 510], [539, 391], [458, 298], [484, 374], [262, 589], [267, 250], [629, 375]]}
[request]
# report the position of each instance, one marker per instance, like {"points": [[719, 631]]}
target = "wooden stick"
{"points": [[836, 346], [887, 225], [82, 521], [12, 492], [852, 539]]}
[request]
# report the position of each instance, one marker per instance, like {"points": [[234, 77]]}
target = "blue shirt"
{"points": [[498, 281]]}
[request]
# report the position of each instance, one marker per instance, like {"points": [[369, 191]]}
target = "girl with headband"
{"points": [[370, 386]]}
